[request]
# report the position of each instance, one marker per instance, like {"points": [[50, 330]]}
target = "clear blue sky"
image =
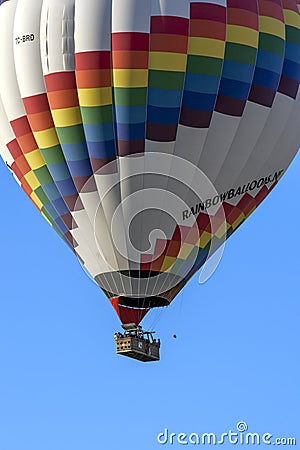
{"points": [[236, 357]]}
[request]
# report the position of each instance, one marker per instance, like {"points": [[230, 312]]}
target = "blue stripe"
{"points": [[199, 102], [66, 187], [269, 61], [75, 152], [60, 206], [202, 83], [267, 79], [291, 70], [59, 171], [131, 132], [292, 52], [102, 149], [164, 98], [51, 191], [163, 116], [234, 89], [130, 114], [238, 71], [101, 132], [80, 168]]}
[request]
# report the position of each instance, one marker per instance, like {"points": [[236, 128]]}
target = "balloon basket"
{"points": [[137, 344]]}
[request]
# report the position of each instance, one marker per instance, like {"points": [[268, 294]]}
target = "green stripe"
{"points": [[97, 114], [240, 53], [44, 211], [271, 43], [292, 34], [204, 65], [130, 97], [43, 175], [41, 195], [166, 80], [71, 135], [53, 155]]}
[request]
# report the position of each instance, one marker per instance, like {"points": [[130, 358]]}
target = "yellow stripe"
{"points": [[46, 218], [205, 238], [46, 138], [35, 159], [272, 26], [32, 180], [67, 117], [242, 35], [292, 18], [238, 221], [168, 263], [173, 62], [222, 230], [185, 251], [95, 96], [206, 47], [130, 78], [36, 200]]}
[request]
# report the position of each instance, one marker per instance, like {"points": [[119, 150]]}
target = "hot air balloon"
{"points": [[146, 132]]}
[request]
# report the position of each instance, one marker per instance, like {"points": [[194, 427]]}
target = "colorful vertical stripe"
{"points": [[207, 34], [167, 67], [290, 78], [94, 84], [130, 80], [270, 55], [63, 100], [240, 56], [42, 126]]}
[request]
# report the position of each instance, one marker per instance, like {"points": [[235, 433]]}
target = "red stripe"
{"points": [[249, 5], [60, 81], [242, 18], [169, 25], [290, 4], [270, 8], [14, 149], [93, 60], [130, 41], [208, 12], [36, 104], [21, 126]]}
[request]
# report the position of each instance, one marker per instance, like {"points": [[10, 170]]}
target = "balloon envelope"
{"points": [[147, 132]]}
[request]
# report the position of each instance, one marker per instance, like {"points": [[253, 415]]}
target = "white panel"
{"points": [[27, 54], [219, 140], [131, 16], [9, 89], [92, 25], [250, 128], [170, 8], [277, 120], [57, 36]]}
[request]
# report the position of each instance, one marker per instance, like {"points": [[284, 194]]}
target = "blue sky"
{"points": [[236, 356]]}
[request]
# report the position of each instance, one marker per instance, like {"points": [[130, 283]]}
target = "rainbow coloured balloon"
{"points": [[147, 131]]}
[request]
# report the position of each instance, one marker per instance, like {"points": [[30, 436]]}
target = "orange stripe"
{"points": [[208, 29], [63, 99], [23, 165], [130, 60], [168, 43], [41, 121], [93, 78], [27, 143]]}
